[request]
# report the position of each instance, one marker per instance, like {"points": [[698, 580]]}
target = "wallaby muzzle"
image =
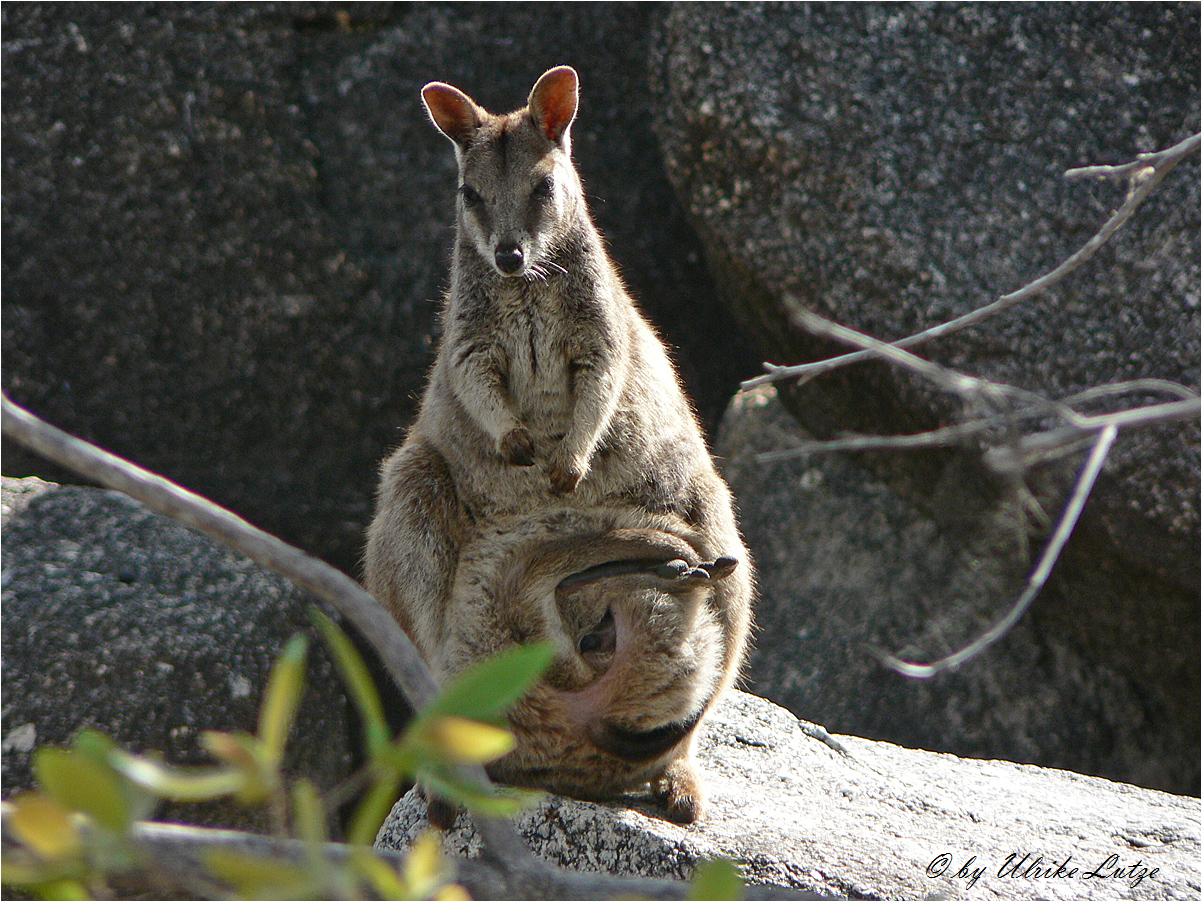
{"points": [[509, 258]]}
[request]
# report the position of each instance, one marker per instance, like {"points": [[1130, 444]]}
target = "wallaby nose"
{"points": [[509, 257]]}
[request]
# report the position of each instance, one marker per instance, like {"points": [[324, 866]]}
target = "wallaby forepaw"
{"points": [[517, 447], [564, 478]]}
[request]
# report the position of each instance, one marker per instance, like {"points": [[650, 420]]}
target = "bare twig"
{"points": [[1037, 446], [1051, 552], [1145, 172], [1169, 157], [1042, 445], [947, 379]]}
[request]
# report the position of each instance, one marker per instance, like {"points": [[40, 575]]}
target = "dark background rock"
{"points": [[118, 620], [226, 230], [893, 167], [846, 564]]}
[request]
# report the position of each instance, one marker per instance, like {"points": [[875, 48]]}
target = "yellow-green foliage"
{"points": [[73, 835], [75, 832]]}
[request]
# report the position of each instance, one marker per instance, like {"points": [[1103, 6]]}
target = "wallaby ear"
{"points": [[553, 102], [453, 112]]}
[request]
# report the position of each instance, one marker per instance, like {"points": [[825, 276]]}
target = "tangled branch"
{"points": [[1145, 173], [1008, 405], [1035, 583]]}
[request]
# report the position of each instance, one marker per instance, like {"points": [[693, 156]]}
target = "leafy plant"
{"points": [[77, 832]]}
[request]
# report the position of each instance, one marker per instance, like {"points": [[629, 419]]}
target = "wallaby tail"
{"points": [[561, 564]]}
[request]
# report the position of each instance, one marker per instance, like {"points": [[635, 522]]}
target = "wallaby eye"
{"points": [[544, 187], [470, 197], [602, 638]]}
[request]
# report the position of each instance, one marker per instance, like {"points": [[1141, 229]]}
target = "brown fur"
{"points": [[620, 713], [549, 392]]}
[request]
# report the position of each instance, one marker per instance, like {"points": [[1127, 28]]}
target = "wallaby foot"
{"points": [[678, 789], [439, 812]]}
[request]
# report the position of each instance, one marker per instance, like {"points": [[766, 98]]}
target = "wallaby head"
{"points": [[640, 653], [518, 190]]}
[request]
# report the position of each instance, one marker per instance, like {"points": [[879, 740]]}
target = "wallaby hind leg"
{"points": [[710, 512], [413, 542]]}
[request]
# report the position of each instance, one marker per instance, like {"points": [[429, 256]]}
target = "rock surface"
{"points": [[874, 821], [118, 620], [893, 167], [846, 564], [226, 230]]}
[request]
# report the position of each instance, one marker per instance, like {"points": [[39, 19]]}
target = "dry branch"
{"points": [[1008, 406], [1145, 173], [1030, 449], [1039, 576]]}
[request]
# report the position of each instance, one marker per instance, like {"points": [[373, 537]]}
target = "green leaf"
{"points": [[401, 759], [44, 825], [469, 741], [282, 698], [257, 877], [362, 687], [81, 783], [68, 889], [237, 749], [245, 753], [487, 690], [180, 784], [308, 813], [499, 802], [381, 876], [104, 751], [717, 879], [18, 869], [425, 866]]}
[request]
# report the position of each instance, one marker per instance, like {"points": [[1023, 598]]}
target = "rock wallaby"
{"points": [[551, 392]]}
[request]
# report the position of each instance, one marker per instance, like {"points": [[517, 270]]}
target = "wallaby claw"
{"points": [[681, 573], [563, 479], [517, 447], [672, 569], [721, 568]]}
